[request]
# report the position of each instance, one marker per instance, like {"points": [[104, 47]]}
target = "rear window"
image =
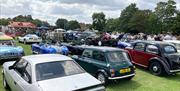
{"points": [[51, 70], [118, 56], [169, 49]]}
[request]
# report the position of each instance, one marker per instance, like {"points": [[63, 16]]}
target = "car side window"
{"points": [[21, 68], [97, 55], [87, 53], [152, 49], [139, 46], [28, 73]]}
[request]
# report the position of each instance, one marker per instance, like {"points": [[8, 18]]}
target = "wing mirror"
{"points": [[11, 67]]}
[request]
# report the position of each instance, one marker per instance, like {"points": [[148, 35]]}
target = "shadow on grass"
{"points": [[174, 77], [124, 85]]}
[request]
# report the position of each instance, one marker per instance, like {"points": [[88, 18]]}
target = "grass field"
{"points": [[143, 81]]}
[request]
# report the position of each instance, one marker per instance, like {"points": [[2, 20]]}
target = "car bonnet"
{"points": [[9, 49], [69, 83]]}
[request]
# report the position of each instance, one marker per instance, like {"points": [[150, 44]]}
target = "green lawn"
{"points": [[143, 81]]}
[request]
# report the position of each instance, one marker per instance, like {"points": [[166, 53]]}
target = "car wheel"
{"points": [[5, 84], [24, 41], [156, 68], [101, 77]]}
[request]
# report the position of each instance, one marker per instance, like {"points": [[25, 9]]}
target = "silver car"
{"points": [[48, 72]]}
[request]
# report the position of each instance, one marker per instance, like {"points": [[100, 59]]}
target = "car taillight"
{"points": [[112, 71]]}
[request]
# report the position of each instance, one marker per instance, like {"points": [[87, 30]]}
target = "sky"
{"points": [[80, 10]]}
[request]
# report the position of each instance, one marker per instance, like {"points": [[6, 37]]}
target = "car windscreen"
{"points": [[7, 43], [118, 56], [169, 49], [57, 69]]}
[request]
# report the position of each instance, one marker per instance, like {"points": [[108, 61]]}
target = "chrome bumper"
{"points": [[120, 77], [172, 71], [9, 57]]}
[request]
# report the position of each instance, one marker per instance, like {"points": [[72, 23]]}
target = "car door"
{"points": [[98, 61], [25, 80], [14, 78], [139, 54], [85, 60], [151, 51], [19, 76]]}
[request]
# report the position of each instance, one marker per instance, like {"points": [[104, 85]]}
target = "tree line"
{"points": [[164, 18], [25, 18]]}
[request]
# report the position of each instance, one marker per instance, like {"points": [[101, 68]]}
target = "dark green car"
{"points": [[106, 63]]}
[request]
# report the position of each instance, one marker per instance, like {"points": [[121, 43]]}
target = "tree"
{"points": [[139, 21], [4, 21], [126, 16], [176, 24], [62, 23], [98, 21], [37, 22], [73, 24], [111, 25], [166, 12], [21, 18]]}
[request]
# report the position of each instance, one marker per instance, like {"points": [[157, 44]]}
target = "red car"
{"points": [[159, 57]]}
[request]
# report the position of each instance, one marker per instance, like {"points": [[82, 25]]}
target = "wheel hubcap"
{"points": [[101, 78], [155, 68]]}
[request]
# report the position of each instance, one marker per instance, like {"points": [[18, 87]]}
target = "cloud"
{"points": [[81, 10], [65, 10]]}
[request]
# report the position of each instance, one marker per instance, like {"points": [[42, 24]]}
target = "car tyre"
{"points": [[156, 68], [102, 78], [24, 41], [5, 84]]}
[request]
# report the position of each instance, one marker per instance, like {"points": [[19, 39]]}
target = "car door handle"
{"points": [[15, 83]]}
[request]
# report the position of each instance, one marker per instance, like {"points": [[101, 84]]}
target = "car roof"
{"points": [[103, 48], [155, 42], [172, 41], [43, 58]]}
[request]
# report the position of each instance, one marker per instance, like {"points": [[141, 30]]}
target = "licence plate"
{"points": [[125, 70]]}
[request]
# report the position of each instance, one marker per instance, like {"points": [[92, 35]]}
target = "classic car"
{"points": [[159, 57], [106, 63], [49, 48], [74, 49], [30, 38], [175, 42], [48, 72], [8, 49]]}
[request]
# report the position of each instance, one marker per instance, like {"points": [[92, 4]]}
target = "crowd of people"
{"points": [[140, 36]]}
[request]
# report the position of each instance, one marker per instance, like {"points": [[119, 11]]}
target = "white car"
{"points": [[48, 72], [175, 42], [30, 38]]}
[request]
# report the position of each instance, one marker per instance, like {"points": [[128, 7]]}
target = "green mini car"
{"points": [[106, 63]]}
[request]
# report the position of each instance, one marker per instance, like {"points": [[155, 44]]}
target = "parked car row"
{"points": [[49, 49], [88, 69]]}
